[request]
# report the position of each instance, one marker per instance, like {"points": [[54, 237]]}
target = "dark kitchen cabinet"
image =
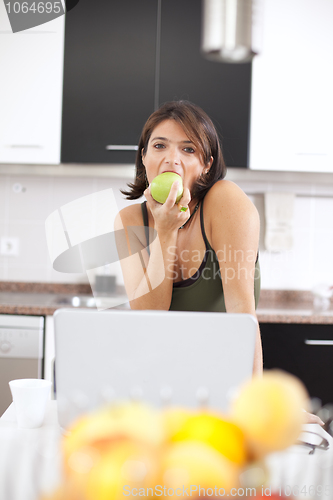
{"points": [[109, 78], [222, 90], [305, 350], [124, 59]]}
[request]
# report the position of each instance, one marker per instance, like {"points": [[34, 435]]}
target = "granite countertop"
{"points": [[45, 298], [291, 306], [275, 306]]}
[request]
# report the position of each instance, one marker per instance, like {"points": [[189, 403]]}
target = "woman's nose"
{"points": [[172, 156]]}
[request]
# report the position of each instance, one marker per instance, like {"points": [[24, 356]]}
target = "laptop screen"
{"points": [[180, 358]]}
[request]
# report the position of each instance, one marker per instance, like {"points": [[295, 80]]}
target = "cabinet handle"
{"points": [[31, 146], [121, 148], [318, 342]]}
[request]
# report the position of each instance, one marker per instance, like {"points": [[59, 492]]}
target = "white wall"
{"points": [[23, 215], [310, 262]]}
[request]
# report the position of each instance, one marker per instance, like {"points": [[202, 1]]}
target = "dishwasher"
{"points": [[21, 351]]}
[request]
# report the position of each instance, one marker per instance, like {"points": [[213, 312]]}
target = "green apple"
{"points": [[161, 185]]}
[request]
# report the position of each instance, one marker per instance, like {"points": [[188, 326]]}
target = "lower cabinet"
{"points": [[305, 350]]}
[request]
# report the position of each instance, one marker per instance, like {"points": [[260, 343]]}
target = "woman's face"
{"points": [[170, 150]]}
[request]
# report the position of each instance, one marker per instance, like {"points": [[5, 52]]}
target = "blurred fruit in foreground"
{"points": [[111, 448], [222, 435], [269, 410], [131, 445], [255, 475], [193, 463], [134, 421], [110, 475], [124, 466], [173, 418], [272, 496]]}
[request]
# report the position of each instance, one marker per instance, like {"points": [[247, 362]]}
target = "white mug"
{"points": [[30, 397]]}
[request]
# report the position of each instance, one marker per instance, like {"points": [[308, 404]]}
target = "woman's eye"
{"points": [[158, 146], [189, 150]]}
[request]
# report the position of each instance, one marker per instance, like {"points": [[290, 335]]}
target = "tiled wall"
{"points": [[309, 262], [23, 214]]}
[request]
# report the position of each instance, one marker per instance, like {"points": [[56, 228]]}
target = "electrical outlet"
{"points": [[9, 246]]}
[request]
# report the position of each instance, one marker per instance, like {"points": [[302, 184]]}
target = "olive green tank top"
{"points": [[203, 291]]}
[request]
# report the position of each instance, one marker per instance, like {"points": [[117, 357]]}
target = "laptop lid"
{"points": [[152, 355]]}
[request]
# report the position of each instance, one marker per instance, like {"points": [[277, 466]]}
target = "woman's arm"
{"points": [[233, 228], [149, 279]]}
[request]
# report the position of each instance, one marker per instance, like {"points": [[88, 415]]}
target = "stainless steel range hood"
{"points": [[231, 30]]}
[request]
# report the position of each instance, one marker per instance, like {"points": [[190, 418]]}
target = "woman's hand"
{"points": [[310, 418], [167, 216]]}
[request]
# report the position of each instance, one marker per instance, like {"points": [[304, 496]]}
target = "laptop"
{"points": [[161, 357]]}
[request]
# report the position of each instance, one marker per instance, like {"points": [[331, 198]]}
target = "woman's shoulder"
{"points": [[228, 201], [129, 216], [227, 195], [225, 189]]}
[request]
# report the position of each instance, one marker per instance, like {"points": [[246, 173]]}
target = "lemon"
{"points": [[222, 435], [269, 410]]}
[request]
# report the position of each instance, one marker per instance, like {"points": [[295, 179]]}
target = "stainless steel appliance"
{"points": [[21, 351], [231, 30]]}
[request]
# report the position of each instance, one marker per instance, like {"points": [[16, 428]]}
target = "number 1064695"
{"points": [[34, 7]]}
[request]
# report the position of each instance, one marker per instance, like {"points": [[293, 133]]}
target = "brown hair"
{"points": [[200, 130]]}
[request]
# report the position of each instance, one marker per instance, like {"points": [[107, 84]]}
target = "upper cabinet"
{"points": [[109, 79], [222, 90], [31, 64], [124, 59], [292, 98]]}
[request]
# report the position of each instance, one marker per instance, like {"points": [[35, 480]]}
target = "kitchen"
{"points": [[295, 166]]}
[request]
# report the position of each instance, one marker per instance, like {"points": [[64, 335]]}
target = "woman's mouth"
{"points": [[172, 171]]}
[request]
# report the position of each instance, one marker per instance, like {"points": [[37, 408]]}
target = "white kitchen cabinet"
{"points": [[292, 82], [31, 65]]}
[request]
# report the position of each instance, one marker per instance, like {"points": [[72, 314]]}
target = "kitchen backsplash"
{"points": [[26, 202]]}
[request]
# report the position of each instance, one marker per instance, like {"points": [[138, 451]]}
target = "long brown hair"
{"points": [[200, 130]]}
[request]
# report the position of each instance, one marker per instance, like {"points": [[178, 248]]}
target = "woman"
{"points": [[204, 258]]}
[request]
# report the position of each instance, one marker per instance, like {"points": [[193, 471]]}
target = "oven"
{"points": [[21, 351]]}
